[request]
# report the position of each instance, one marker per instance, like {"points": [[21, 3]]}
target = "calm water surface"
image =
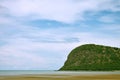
{"points": [[33, 72]]}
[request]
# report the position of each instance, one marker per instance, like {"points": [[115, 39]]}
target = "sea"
{"points": [[39, 72]]}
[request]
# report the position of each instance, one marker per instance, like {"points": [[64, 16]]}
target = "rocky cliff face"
{"points": [[93, 57]]}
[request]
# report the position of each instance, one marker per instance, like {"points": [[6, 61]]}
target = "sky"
{"points": [[39, 34]]}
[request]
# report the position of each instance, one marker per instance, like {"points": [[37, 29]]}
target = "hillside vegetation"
{"points": [[93, 57]]}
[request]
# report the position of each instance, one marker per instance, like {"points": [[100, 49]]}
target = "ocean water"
{"points": [[34, 72], [25, 72]]}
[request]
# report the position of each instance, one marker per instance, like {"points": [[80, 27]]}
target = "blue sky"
{"points": [[39, 34]]}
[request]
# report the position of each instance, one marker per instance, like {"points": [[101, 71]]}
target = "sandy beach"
{"points": [[62, 77]]}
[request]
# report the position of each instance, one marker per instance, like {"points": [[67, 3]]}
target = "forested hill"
{"points": [[93, 57]]}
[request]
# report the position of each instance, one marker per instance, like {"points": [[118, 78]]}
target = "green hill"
{"points": [[93, 57]]}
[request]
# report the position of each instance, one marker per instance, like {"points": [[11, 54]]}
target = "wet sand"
{"points": [[62, 77]]}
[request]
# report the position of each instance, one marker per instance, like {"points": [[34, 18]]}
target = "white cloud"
{"points": [[111, 5], [112, 28], [109, 18], [6, 20], [67, 11], [13, 56]]}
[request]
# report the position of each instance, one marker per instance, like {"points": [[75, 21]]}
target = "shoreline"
{"points": [[64, 76], [13, 73]]}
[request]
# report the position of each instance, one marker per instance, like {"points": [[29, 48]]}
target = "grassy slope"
{"points": [[93, 57]]}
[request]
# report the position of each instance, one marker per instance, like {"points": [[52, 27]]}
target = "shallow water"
{"points": [[52, 72]]}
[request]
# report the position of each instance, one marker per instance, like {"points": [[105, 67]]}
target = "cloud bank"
{"points": [[35, 34]]}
